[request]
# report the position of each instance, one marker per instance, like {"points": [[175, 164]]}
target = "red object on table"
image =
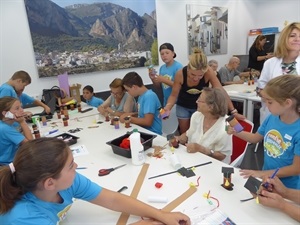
{"points": [[125, 143], [158, 185]]}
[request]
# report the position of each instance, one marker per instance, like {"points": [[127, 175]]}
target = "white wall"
{"points": [[17, 51]]}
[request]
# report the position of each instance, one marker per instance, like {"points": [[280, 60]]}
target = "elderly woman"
{"points": [[188, 85], [207, 133], [119, 101]]}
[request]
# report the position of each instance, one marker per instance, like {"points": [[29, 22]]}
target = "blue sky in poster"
{"points": [[138, 6]]}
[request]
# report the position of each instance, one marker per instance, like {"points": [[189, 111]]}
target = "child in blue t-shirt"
{"points": [[148, 104], [10, 138], [280, 131], [88, 95], [41, 184], [167, 71]]}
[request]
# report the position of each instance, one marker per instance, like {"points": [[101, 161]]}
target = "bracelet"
{"points": [[234, 111]]}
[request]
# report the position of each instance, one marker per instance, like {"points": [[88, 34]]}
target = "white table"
{"points": [[243, 93], [101, 156]]}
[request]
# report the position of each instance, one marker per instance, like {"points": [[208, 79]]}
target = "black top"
{"points": [[188, 95], [253, 63]]}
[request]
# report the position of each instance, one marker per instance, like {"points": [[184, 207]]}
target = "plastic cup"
{"points": [[35, 120]]}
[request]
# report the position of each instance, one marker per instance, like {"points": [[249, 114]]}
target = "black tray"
{"points": [[68, 138], [115, 144]]}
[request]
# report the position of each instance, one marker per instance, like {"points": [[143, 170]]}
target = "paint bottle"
{"points": [[137, 149], [37, 134], [116, 122], [65, 122], [79, 107], [127, 121]]}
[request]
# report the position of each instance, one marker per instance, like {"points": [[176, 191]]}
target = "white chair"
{"points": [[240, 146], [170, 125]]}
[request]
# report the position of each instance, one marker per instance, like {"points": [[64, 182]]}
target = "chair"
{"points": [[170, 125], [239, 146]]}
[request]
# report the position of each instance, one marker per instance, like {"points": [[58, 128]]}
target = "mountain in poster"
{"points": [[85, 38]]}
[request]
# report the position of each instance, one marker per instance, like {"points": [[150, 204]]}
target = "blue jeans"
{"points": [[184, 113]]}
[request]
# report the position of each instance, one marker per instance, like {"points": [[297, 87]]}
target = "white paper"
{"points": [[79, 150]]}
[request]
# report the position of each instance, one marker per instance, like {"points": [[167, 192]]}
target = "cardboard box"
{"points": [[75, 92]]}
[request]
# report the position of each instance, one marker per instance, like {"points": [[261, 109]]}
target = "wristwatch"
{"points": [[211, 152]]}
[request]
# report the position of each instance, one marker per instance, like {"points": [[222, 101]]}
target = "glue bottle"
{"points": [[137, 149]]}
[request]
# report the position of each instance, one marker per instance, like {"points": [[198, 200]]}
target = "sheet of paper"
{"points": [[213, 217], [79, 150]]}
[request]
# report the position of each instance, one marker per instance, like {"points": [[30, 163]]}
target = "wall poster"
{"points": [[85, 36], [207, 28]]}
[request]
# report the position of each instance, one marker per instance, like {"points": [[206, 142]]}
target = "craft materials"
{"points": [[157, 199], [227, 171], [135, 191], [127, 121], [50, 132], [122, 189], [172, 205], [103, 172], [267, 185], [164, 174], [58, 113], [175, 161], [37, 134], [137, 149], [116, 122], [235, 124], [163, 113], [158, 185], [65, 121], [79, 107]]}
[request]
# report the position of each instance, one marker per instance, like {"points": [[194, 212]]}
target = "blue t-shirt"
{"points": [[10, 138], [32, 211], [281, 144], [94, 101], [168, 72], [7, 90], [26, 99], [149, 103]]}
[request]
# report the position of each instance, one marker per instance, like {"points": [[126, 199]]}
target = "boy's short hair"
{"points": [[89, 88], [132, 78], [23, 75]]}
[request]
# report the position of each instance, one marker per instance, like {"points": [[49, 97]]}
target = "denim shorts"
{"points": [[184, 113]]}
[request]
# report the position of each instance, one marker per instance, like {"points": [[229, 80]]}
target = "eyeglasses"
{"points": [[117, 93], [198, 101]]}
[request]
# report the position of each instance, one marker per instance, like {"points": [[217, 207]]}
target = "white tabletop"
{"points": [[100, 155], [240, 90]]}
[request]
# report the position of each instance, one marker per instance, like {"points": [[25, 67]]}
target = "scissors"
{"points": [[103, 172]]}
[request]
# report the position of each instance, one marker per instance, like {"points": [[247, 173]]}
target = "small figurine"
{"points": [[116, 122], [172, 141], [234, 123], [127, 120], [227, 171], [163, 113]]}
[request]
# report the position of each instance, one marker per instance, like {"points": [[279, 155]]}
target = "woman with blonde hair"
{"points": [[286, 60], [119, 101], [188, 85]]}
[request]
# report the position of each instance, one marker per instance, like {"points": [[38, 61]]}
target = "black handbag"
{"points": [[48, 94]]}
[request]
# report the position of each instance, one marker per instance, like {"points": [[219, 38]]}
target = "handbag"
{"points": [[55, 92]]}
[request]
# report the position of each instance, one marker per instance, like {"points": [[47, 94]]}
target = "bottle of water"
{"points": [[137, 149]]}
